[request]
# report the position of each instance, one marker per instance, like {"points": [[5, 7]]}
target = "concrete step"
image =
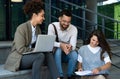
{"points": [[115, 48], [114, 73], [5, 44], [22, 74], [5, 74], [114, 42], [5, 47], [4, 54], [115, 59]]}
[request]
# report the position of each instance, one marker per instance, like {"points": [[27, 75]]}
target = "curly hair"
{"points": [[102, 42], [32, 7]]}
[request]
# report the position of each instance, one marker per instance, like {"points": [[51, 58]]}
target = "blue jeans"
{"points": [[71, 58]]}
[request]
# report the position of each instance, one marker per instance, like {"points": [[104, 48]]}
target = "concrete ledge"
{"points": [[22, 74], [8, 74], [5, 44]]}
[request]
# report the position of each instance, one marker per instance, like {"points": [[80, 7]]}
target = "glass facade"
{"points": [[11, 16], [17, 18], [2, 20]]}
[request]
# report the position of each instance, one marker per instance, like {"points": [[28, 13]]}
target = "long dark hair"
{"points": [[102, 42]]}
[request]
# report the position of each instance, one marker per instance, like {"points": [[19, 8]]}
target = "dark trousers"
{"points": [[36, 60]]}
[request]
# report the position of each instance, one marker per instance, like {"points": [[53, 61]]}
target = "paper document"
{"points": [[82, 73]]}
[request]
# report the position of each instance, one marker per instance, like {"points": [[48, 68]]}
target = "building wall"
{"points": [[9, 24], [111, 10]]}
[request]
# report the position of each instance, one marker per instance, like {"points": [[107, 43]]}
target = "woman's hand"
{"points": [[104, 67], [96, 70], [80, 69], [80, 66]]}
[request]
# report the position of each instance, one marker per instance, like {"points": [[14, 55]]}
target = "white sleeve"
{"points": [[107, 59], [73, 39], [79, 58], [52, 32]]}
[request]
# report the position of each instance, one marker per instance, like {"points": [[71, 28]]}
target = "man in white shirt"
{"points": [[66, 44]]}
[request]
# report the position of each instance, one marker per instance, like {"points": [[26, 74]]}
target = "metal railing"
{"points": [[101, 25]]}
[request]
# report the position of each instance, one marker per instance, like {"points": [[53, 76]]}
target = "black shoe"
{"points": [[61, 77], [71, 78]]}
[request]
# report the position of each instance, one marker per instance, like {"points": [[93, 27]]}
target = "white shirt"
{"points": [[93, 50], [34, 38], [69, 35]]}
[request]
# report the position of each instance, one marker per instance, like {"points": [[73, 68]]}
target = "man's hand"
{"points": [[66, 47], [69, 47]]}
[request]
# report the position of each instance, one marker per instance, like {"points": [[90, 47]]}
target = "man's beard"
{"points": [[63, 28]]}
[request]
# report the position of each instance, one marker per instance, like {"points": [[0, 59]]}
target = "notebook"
{"points": [[44, 43], [83, 73]]}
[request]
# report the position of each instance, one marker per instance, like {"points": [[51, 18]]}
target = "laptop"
{"points": [[44, 43]]}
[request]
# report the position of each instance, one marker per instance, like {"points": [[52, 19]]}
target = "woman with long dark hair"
{"points": [[95, 56]]}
